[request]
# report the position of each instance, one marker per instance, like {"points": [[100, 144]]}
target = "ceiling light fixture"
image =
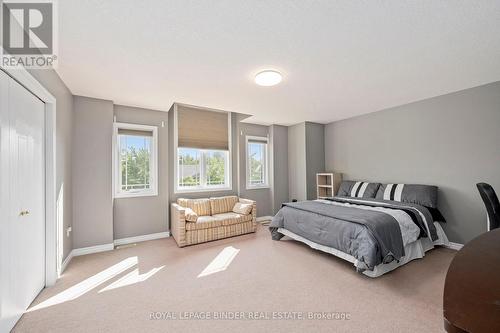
{"points": [[268, 78]]}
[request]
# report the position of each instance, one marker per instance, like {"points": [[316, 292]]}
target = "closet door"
{"points": [[24, 266], [6, 311]]}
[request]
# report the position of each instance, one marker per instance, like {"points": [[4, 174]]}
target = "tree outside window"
{"points": [[201, 168], [257, 162], [134, 160]]}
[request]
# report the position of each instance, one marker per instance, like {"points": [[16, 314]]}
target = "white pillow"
{"points": [[242, 208], [190, 215]]}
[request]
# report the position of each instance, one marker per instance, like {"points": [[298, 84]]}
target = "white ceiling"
{"points": [[339, 58]]}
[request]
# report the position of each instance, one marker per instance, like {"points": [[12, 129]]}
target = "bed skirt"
{"points": [[415, 250]]}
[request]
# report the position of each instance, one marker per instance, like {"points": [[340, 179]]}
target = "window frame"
{"points": [[266, 184], [203, 187], [153, 163], [229, 163]]}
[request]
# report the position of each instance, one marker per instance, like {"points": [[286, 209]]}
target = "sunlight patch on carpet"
{"points": [[132, 278], [87, 285], [221, 262]]}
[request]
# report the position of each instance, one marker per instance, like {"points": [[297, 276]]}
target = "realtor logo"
{"points": [[28, 33]]}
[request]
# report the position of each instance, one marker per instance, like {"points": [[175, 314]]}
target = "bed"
{"points": [[376, 227]]}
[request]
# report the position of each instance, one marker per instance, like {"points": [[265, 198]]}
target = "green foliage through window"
{"points": [[257, 160], [189, 167], [216, 165], [191, 172], [135, 162]]}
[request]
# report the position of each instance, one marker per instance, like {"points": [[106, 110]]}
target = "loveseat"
{"points": [[195, 221]]}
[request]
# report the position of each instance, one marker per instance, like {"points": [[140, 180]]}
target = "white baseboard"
{"points": [[66, 262], [143, 238], [454, 246], [264, 219], [92, 249], [108, 247]]}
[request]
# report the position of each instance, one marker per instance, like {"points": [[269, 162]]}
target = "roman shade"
{"points": [[125, 131], [202, 129]]}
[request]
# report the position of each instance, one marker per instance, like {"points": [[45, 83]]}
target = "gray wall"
{"points": [[297, 183], [144, 215], [315, 156], [452, 141], [92, 172], [306, 157], [262, 195], [279, 147], [64, 127]]}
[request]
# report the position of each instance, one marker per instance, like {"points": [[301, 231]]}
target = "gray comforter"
{"points": [[372, 237]]}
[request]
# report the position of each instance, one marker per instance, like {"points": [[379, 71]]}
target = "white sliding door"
{"points": [[22, 196]]}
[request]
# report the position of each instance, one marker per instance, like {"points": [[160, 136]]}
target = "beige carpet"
{"points": [[265, 277]]}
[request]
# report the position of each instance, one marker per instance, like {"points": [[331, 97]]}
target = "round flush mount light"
{"points": [[268, 78]]}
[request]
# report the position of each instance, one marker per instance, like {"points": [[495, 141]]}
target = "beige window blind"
{"points": [[202, 129]]}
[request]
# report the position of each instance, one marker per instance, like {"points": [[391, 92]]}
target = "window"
{"points": [[215, 162], [200, 169], [189, 168], [257, 164], [202, 141], [135, 158]]}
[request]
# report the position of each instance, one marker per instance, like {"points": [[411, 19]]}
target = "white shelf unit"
{"points": [[327, 184]]}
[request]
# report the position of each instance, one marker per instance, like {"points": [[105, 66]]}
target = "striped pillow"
{"points": [[424, 195], [190, 215], [242, 208], [356, 189]]}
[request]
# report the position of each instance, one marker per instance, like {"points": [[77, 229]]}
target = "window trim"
{"points": [[153, 191], [266, 184], [180, 190]]}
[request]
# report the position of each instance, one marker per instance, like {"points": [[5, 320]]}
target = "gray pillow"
{"points": [[356, 189], [424, 195]]}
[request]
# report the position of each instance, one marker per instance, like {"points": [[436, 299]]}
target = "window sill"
{"points": [[135, 195], [263, 187], [200, 190]]}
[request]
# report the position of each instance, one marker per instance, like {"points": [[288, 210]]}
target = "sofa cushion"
{"points": [[243, 209], [205, 235], [232, 218], [190, 215], [223, 204], [204, 222], [199, 206]]}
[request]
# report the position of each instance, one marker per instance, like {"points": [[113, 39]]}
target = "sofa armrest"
{"points": [[178, 224], [254, 208]]}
